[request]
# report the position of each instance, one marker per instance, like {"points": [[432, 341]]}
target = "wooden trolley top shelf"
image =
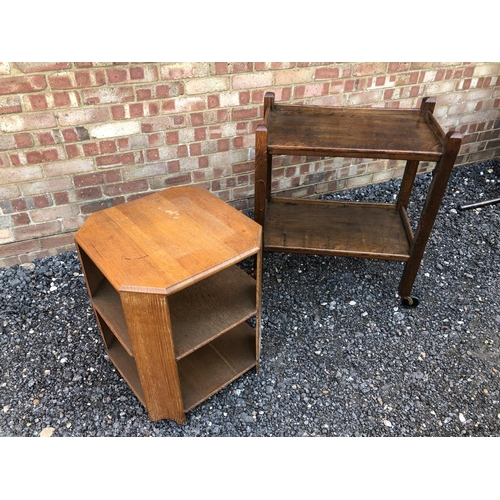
{"points": [[354, 132]]}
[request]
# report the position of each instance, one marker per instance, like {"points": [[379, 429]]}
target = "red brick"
{"points": [[136, 110], [172, 137], [46, 138], [119, 159], [89, 193], [78, 79], [174, 167], [116, 75], [221, 68], [91, 149], [107, 146], [349, 86], [41, 156], [168, 106], [241, 128], [182, 179], [223, 145], [65, 241], [15, 160], [415, 91], [243, 167], [203, 162], [61, 81], [95, 206], [21, 219], [299, 91], [155, 140], [38, 102], [199, 175], [388, 94], [200, 134], [88, 179], [23, 140], [22, 84], [213, 101], [42, 201], [63, 99], [217, 116], [326, 73], [123, 144], [414, 77], [195, 149], [118, 112], [182, 151], [61, 198], [82, 79], [215, 132], [244, 97], [238, 142], [244, 114], [144, 94], [197, 119], [152, 154], [469, 71], [126, 187], [136, 73], [179, 120], [286, 93], [153, 109], [113, 175], [18, 248], [257, 96], [70, 135], [72, 151], [163, 91], [397, 67], [242, 67], [19, 204]]}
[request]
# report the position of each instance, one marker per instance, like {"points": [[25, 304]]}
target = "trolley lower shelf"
{"points": [[347, 229]]}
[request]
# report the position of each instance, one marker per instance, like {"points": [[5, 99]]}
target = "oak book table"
{"points": [[352, 229], [170, 301]]}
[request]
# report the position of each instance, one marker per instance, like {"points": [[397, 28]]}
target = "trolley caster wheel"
{"points": [[409, 302]]}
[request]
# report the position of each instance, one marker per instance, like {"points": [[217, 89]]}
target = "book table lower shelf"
{"points": [[179, 318]]}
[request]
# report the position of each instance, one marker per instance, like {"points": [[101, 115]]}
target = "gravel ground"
{"points": [[340, 356]]}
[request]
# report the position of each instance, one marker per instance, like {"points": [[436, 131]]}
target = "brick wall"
{"points": [[79, 137]]}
